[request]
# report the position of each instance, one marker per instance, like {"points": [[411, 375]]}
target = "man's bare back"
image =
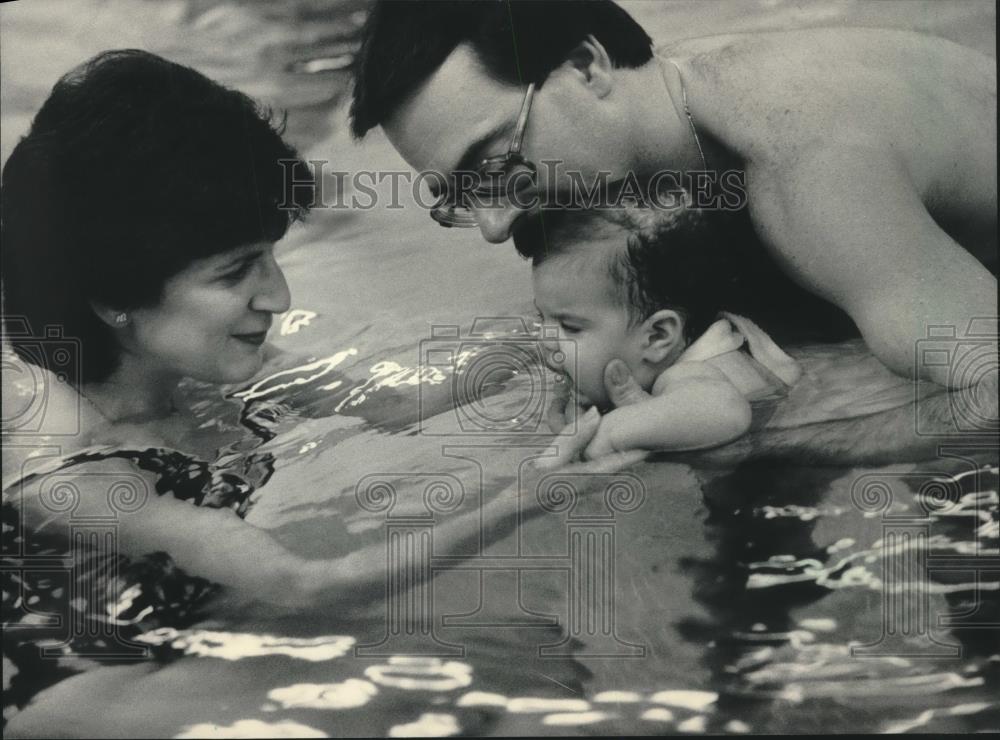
{"points": [[770, 97], [870, 159]]}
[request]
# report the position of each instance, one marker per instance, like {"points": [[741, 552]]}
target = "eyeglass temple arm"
{"points": [[522, 120]]}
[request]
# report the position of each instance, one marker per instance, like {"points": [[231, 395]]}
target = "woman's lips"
{"points": [[255, 339]]}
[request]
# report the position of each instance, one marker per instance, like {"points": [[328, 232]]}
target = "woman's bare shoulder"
{"points": [[43, 417], [39, 402]]}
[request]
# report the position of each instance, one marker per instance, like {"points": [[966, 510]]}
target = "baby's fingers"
{"points": [[570, 446], [612, 462]]}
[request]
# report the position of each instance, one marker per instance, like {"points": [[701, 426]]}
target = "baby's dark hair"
{"points": [[667, 260]]}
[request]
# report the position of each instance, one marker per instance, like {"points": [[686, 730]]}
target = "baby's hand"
{"points": [[602, 444]]}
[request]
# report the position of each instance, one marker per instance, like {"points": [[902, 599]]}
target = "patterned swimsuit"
{"points": [[65, 605]]}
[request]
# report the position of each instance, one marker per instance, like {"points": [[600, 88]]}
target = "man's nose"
{"points": [[272, 294], [496, 223]]}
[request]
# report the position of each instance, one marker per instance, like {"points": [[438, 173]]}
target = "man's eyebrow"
{"points": [[473, 154]]}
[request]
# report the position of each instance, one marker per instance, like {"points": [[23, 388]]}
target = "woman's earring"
{"points": [[121, 319]]}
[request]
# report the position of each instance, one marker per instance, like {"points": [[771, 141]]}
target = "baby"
{"points": [[650, 297]]}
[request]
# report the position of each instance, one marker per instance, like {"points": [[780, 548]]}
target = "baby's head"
{"points": [[619, 284]]}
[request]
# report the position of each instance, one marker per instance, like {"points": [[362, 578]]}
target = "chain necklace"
{"points": [[687, 112]]}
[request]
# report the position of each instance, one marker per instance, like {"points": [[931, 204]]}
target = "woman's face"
{"points": [[213, 318]]}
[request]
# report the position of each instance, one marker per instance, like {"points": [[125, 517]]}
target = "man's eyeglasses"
{"points": [[493, 181]]}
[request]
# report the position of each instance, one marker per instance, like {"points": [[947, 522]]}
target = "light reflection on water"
{"points": [[750, 618], [749, 587]]}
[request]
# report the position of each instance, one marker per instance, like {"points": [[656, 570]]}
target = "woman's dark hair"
{"points": [[133, 168], [518, 41]]}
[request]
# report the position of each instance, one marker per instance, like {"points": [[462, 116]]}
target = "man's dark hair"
{"points": [[134, 167], [674, 263], [517, 41]]}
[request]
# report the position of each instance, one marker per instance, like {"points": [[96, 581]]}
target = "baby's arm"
{"points": [[693, 406]]}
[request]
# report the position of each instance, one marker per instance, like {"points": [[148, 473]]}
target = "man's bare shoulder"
{"points": [[771, 95], [842, 63], [844, 42]]}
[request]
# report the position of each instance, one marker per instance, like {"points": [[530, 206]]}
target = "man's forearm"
{"points": [[887, 436], [966, 415]]}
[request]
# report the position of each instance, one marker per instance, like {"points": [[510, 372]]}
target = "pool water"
{"points": [[743, 599]]}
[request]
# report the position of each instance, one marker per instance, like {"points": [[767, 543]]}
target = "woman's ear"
{"points": [[590, 61], [116, 318], [663, 334]]}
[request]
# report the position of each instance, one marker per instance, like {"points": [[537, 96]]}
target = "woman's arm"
{"points": [[366, 569], [218, 545], [696, 406], [211, 543]]}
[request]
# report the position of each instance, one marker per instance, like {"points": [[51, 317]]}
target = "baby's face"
{"points": [[575, 293]]}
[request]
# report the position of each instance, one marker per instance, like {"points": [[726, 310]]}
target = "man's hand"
{"points": [[621, 387], [602, 444], [572, 446], [587, 442], [623, 390]]}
